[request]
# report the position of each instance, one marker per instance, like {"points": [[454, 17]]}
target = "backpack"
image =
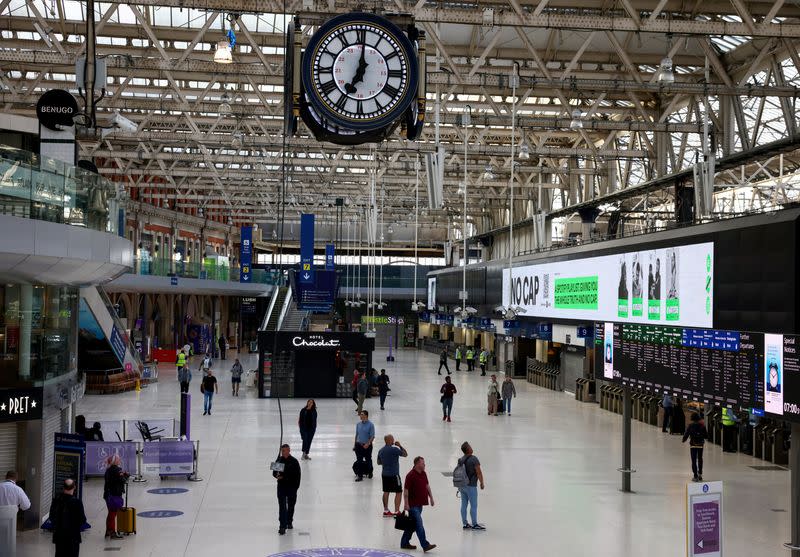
{"points": [[460, 477]]}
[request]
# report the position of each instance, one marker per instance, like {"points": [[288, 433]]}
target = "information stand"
{"points": [[704, 519]]}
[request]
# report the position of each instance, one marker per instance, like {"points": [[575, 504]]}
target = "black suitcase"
{"points": [[361, 468], [500, 406]]}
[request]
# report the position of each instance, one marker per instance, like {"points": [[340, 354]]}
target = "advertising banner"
{"points": [[246, 254], [168, 458], [69, 453], [704, 519], [432, 293], [306, 274], [97, 452], [117, 343], [330, 257], [671, 286]]}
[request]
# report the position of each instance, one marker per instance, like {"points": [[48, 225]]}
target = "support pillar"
{"points": [[794, 516], [25, 329], [214, 346], [626, 469]]}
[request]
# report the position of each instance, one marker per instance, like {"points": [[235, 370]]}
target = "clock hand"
{"points": [[360, 70]]}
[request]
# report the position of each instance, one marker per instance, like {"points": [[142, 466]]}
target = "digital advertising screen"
{"points": [[432, 294], [671, 286], [782, 377]]}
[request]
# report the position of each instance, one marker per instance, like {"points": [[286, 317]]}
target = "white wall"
{"points": [[560, 333]]}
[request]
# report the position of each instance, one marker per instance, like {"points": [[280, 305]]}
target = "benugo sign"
{"points": [[670, 286]]}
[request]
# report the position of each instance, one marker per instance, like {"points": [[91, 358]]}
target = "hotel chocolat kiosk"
{"points": [[309, 364]]}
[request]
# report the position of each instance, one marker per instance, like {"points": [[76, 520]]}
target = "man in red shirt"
{"points": [[416, 494]]}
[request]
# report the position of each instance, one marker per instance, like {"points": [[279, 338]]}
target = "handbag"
{"points": [[404, 522], [441, 399]]}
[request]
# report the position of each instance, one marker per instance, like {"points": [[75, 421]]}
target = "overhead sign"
{"points": [[56, 109], [330, 257], [173, 281], [671, 286], [704, 519], [306, 273], [320, 294], [19, 405], [246, 254]]}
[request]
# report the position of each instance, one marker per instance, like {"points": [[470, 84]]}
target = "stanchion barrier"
{"points": [[139, 478], [194, 477]]}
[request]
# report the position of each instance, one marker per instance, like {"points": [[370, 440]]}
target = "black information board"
{"points": [[711, 366]]}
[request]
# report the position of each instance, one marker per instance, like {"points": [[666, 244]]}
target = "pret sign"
{"points": [[56, 109], [17, 405]]}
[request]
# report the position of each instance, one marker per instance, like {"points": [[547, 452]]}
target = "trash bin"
{"points": [[8, 530]]}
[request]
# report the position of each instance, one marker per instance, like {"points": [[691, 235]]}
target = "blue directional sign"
{"points": [[330, 255], [246, 254], [306, 273]]}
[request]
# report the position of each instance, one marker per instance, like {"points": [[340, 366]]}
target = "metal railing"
{"points": [[163, 267], [50, 190]]}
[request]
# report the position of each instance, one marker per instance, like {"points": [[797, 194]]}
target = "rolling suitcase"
{"points": [[501, 407], [126, 518]]}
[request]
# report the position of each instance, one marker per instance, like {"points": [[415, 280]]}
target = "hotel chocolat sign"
{"points": [[56, 109], [18, 405], [315, 341]]}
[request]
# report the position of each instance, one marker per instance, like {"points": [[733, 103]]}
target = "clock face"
{"points": [[360, 71]]}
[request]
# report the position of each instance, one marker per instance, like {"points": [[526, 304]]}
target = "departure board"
{"points": [[711, 366]]}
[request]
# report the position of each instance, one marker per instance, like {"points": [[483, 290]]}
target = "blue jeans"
{"points": [[416, 514], [507, 404], [383, 397], [447, 407], [207, 396], [469, 495]]}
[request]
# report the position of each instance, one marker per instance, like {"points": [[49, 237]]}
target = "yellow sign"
{"points": [[306, 266]]}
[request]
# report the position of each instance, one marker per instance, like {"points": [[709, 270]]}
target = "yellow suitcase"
{"points": [[126, 520]]}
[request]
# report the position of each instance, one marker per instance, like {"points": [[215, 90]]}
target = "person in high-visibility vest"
{"points": [[458, 358], [729, 430], [184, 374], [470, 359], [482, 359]]}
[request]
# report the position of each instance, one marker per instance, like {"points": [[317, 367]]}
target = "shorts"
{"points": [[236, 379], [392, 484]]}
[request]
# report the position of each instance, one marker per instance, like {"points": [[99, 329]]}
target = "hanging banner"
{"points": [[671, 286], [246, 254], [330, 254], [306, 274]]}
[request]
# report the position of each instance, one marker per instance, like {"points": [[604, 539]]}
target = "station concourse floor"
{"points": [[552, 486]]}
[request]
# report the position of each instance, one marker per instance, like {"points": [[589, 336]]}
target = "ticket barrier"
{"points": [[637, 407], [651, 409], [768, 441], [779, 442], [714, 425], [605, 396], [591, 391], [746, 438], [581, 389], [616, 405], [759, 432]]}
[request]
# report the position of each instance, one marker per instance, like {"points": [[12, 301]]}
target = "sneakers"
{"points": [[467, 527], [282, 531], [204, 413], [305, 457], [448, 419], [696, 478], [360, 479], [478, 527], [444, 418], [429, 547], [700, 478], [387, 513]]}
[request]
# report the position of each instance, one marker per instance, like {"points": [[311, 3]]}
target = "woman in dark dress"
{"points": [[308, 426], [113, 490]]}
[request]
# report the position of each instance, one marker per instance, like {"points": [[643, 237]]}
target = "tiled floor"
{"points": [[552, 488]]}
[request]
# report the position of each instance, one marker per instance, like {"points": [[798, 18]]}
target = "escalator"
{"points": [[105, 352], [275, 310]]}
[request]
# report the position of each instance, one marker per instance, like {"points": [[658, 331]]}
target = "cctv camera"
{"points": [[118, 121]]}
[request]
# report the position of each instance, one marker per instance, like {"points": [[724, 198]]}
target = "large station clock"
{"points": [[360, 71]]}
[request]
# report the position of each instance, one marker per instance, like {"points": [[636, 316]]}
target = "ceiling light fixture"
{"points": [[488, 172], [223, 54], [237, 139], [576, 122], [665, 73], [225, 103], [524, 152]]}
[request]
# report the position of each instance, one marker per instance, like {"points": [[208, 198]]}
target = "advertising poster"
{"points": [[773, 374], [69, 451], [97, 452], [671, 286], [432, 294]]}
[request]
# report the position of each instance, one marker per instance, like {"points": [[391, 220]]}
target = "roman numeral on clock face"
{"points": [[327, 87], [341, 102], [390, 90], [392, 54], [393, 73]]}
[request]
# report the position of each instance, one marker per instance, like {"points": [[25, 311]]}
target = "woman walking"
{"points": [[308, 426], [508, 391], [114, 488], [236, 377], [447, 390], [697, 435]]}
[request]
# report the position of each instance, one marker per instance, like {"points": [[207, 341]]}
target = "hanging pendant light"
{"points": [[665, 73], [576, 122], [225, 103], [223, 54], [488, 172], [524, 152]]}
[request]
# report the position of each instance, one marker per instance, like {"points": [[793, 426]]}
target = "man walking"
{"points": [[209, 387], [13, 495], [389, 459], [443, 361], [416, 494], [667, 405], [362, 389], [383, 387], [458, 358], [447, 390], [492, 394], [67, 517], [470, 359], [288, 484], [469, 493], [184, 373], [223, 345], [365, 435]]}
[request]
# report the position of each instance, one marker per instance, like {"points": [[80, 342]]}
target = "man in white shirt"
{"points": [[13, 495]]}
